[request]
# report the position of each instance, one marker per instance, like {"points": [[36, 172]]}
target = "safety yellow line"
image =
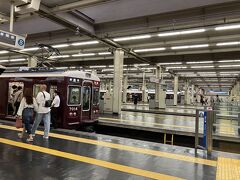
{"points": [[109, 165], [125, 148], [228, 169], [140, 122]]}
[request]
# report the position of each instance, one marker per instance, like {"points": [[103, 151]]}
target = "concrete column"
{"points": [[32, 61], [186, 94], [193, 92], [144, 89], [237, 88], [175, 90], [125, 85], [157, 84], [118, 75], [197, 94], [161, 91]]}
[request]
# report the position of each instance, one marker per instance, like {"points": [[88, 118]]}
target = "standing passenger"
{"points": [[43, 112], [55, 109], [26, 109]]}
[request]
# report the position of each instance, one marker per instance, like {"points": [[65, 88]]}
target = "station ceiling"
{"points": [[197, 40]]}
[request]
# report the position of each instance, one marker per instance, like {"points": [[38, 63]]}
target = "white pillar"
{"points": [[157, 85], [161, 91], [125, 85], [144, 89], [118, 75], [186, 94], [193, 92], [32, 61], [175, 90]]}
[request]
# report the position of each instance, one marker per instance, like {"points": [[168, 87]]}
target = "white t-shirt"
{"points": [[56, 101], [41, 102]]}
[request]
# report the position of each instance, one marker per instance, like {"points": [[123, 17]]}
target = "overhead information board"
{"points": [[10, 40]]}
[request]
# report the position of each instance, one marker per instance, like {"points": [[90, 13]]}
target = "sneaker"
{"points": [[45, 137], [30, 139], [20, 135]]}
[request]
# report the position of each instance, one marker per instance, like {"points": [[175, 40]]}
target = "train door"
{"points": [[86, 100], [15, 94]]}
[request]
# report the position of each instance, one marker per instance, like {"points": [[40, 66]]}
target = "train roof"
{"points": [[73, 74]]}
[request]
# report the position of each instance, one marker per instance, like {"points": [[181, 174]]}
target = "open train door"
{"points": [[86, 100]]}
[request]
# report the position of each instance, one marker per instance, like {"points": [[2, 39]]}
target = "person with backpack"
{"points": [[43, 112], [25, 112]]}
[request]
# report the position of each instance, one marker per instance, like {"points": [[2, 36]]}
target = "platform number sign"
{"points": [[21, 42]]}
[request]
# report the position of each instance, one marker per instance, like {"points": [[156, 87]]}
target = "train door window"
{"points": [[86, 98], [15, 94], [36, 89], [51, 91], [74, 95], [96, 96]]}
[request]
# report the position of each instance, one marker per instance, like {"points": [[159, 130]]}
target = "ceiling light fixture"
{"points": [[60, 45], [225, 66], [132, 38], [4, 52], [104, 53], [84, 43], [228, 61], [195, 67], [199, 62], [97, 66], [81, 55], [149, 50], [190, 46], [29, 49], [17, 60], [181, 32], [60, 56], [228, 43], [227, 27]]}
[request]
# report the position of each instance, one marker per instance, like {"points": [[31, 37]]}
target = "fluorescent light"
{"points": [[17, 60], [84, 43], [179, 67], [132, 38], [2, 61], [105, 70], [97, 66], [181, 32], [199, 62], [30, 49], [190, 46], [141, 64], [60, 56], [202, 67], [228, 61], [170, 63], [235, 65], [4, 52], [81, 55], [228, 43], [149, 50], [60, 45], [227, 27], [104, 53]]}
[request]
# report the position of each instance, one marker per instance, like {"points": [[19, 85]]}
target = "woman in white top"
{"points": [[26, 109]]}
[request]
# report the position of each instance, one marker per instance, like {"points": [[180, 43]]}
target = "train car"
{"points": [[79, 94]]}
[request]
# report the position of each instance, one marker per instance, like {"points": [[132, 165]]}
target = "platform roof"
{"points": [[184, 36]]}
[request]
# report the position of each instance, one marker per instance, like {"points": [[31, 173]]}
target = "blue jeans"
{"points": [[27, 116], [46, 120]]}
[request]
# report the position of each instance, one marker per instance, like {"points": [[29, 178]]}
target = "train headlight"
{"points": [[74, 113], [70, 113]]}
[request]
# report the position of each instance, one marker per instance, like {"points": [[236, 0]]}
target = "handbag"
{"points": [[48, 103], [19, 123]]}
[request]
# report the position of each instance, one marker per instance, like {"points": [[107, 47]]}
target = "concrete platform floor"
{"points": [[76, 155]]}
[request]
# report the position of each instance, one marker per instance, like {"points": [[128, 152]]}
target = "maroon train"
{"points": [[79, 94]]}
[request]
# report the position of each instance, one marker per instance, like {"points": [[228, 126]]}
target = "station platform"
{"points": [[226, 130], [78, 155]]}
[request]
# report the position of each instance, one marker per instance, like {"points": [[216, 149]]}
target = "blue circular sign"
{"points": [[21, 42]]}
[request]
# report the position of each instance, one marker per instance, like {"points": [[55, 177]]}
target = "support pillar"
{"points": [[125, 85], [193, 92], [118, 75], [175, 90], [186, 94], [144, 89], [32, 61], [157, 85]]}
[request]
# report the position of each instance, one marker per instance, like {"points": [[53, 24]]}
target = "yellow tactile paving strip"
{"points": [[228, 169], [126, 148], [101, 163]]}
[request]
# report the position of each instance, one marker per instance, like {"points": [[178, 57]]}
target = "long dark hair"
{"points": [[28, 95]]}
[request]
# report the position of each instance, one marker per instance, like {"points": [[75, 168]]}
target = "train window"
{"points": [[52, 89], [74, 95], [96, 96], [86, 98], [15, 94]]}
